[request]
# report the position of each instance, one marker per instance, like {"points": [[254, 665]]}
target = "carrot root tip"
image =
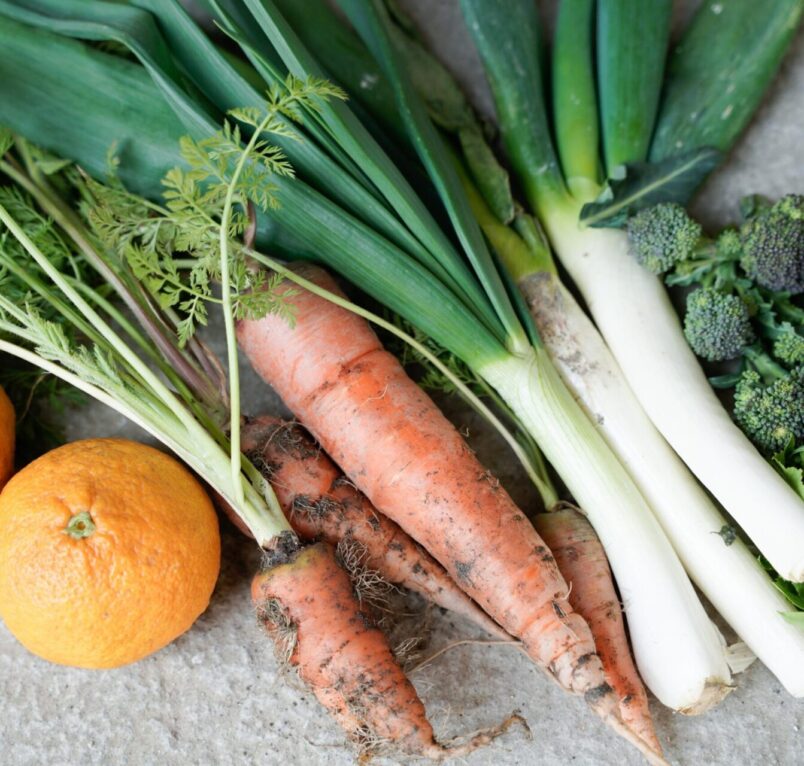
{"points": [[481, 738], [613, 719]]}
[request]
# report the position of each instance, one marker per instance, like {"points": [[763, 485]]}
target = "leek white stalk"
{"points": [[728, 574], [635, 316], [680, 653]]}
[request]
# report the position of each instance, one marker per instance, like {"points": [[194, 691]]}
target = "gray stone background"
{"points": [[216, 695]]}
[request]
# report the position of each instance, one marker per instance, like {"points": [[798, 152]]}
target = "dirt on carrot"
{"points": [[7, 437], [583, 563], [305, 601], [322, 504], [399, 449]]}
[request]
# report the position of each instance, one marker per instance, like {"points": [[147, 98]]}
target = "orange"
{"points": [[109, 550], [7, 428]]}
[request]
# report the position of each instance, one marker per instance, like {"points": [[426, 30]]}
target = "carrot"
{"points": [[321, 503], [7, 429], [306, 604], [399, 449], [583, 563]]}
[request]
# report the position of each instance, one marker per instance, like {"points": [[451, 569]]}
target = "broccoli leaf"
{"points": [[793, 475], [643, 184], [793, 592]]}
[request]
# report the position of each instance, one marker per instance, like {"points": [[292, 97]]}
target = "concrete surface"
{"points": [[216, 695]]}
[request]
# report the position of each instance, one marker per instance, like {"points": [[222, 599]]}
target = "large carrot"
{"points": [[7, 430], [411, 462], [306, 603], [582, 561], [321, 503]]}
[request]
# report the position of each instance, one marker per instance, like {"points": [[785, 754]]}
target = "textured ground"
{"points": [[216, 695]]}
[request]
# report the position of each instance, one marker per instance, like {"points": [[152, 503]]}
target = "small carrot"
{"points": [[321, 503], [7, 431], [306, 604], [582, 561], [395, 444]]}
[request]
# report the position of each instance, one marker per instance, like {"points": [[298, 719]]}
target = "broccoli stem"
{"points": [[763, 364]]}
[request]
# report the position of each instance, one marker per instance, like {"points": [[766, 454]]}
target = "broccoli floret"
{"points": [[773, 245], [788, 347], [717, 325], [792, 205], [729, 245], [771, 414], [662, 235]]}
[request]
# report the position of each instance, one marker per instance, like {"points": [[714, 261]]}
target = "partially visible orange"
{"points": [[109, 550], [7, 429]]}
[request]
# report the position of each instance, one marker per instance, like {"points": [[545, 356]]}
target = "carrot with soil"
{"points": [[348, 667], [322, 504], [395, 444], [331, 370], [582, 561]]}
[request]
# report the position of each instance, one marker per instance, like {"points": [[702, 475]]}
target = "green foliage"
{"points": [[44, 235], [149, 238], [771, 413], [35, 318], [717, 325], [663, 235], [773, 245], [40, 400]]}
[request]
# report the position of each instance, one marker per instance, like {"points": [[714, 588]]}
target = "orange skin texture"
{"points": [[321, 504], [344, 658], [395, 444], [583, 563], [7, 433], [137, 582]]}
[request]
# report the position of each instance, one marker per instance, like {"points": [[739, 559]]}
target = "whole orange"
{"points": [[109, 550], [7, 429]]}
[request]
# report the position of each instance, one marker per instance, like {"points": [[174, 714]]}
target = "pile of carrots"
{"points": [[410, 462]]}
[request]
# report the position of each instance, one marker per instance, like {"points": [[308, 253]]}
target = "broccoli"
{"points": [[788, 347], [771, 413], [662, 235], [717, 325], [773, 245]]}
